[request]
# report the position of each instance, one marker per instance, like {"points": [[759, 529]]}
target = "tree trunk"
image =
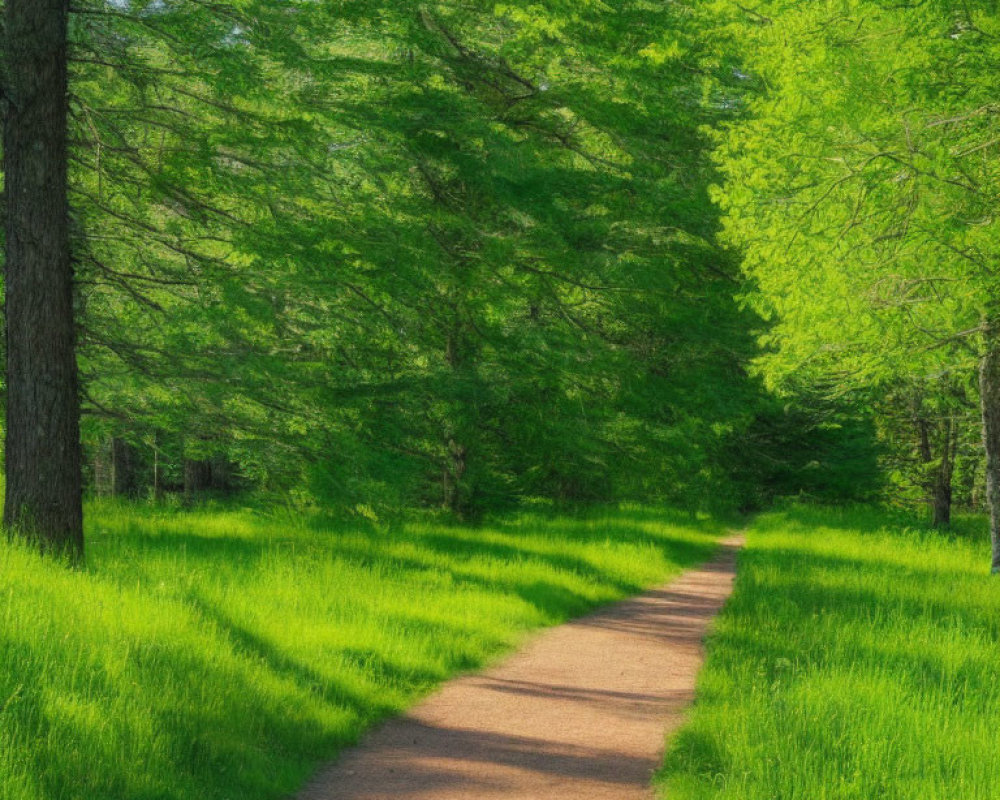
{"points": [[941, 505], [454, 471], [989, 385], [456, 490], [157, 479], [197, 476], [43, 453], [122, 468], [942, 489], [938, 483], [221, 474], [102, 469]]}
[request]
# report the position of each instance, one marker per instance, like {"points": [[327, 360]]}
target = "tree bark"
{"points": [[197, 476], [942, 488], [453, 472], [102, 469], [989, 386], [157, 479], [123, 483], [941, 504], [937, 478], [457, 492], [43, 452], [221, 474]]}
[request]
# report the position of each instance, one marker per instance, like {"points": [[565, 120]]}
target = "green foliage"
{"points": [[858, 177], [856, 659], [928, 434], [808, 448], [392, 255], [406, 254], [224, 654], [859, 183]]}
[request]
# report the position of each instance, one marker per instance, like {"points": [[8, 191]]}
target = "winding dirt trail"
{"points": [[579, 714]]}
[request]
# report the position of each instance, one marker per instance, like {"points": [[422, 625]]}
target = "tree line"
{"points": [[388, 255], [859, 184]]}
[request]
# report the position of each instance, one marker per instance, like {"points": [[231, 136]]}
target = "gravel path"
{"points": [[579, 714]]}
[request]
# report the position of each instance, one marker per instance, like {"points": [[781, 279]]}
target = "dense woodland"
{"points": [[375, 256]]}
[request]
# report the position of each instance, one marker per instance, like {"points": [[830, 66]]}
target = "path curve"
{"points": [[579, 714]]}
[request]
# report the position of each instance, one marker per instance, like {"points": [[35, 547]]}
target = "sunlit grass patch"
{"points": [[858, 658], [223, 654]]}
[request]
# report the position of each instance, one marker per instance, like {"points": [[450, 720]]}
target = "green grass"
{"points": [[209, 655], [858, 658]]}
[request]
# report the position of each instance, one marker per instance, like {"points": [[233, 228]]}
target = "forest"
{"points": [[323, 319]]}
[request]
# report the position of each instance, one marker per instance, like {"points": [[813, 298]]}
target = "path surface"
{"points": [[579, 714]]}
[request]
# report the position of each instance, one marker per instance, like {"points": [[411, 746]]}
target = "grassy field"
{"points": [[208, 655], [858, 658]]}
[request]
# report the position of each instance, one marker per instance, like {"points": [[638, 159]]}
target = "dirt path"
{"points": [[579, 713]]}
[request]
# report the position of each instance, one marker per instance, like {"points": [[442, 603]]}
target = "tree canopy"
{"points": [[381, 255]]}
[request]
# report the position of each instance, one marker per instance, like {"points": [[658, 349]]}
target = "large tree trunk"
{"points": [[989, 385], [43, 454]]}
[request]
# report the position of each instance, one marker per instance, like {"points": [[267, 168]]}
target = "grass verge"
{"points": [[211, 655], [857, 658]]}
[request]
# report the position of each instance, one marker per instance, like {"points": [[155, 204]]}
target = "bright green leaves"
{"points": [[438, 253], [858, 185], [847, 185]]}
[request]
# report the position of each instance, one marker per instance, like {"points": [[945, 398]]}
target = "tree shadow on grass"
{"points": [[246, 743], [867, 519], [771, 620], [456, 554], [280, 663], [241, 743], [806, 627]]}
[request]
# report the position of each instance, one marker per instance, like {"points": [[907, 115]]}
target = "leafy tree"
{"points": [[859, 184], [931, 435], [387, 254]]}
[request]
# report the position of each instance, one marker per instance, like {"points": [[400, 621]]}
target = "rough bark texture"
{"points": [[43, 455], [989, 384], [941, 505]]}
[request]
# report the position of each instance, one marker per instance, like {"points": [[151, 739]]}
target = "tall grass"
{"points": [[858, 658], [207, 655]]}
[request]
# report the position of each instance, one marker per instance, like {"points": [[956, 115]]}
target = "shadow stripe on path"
{"points": [[580, 713]]}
